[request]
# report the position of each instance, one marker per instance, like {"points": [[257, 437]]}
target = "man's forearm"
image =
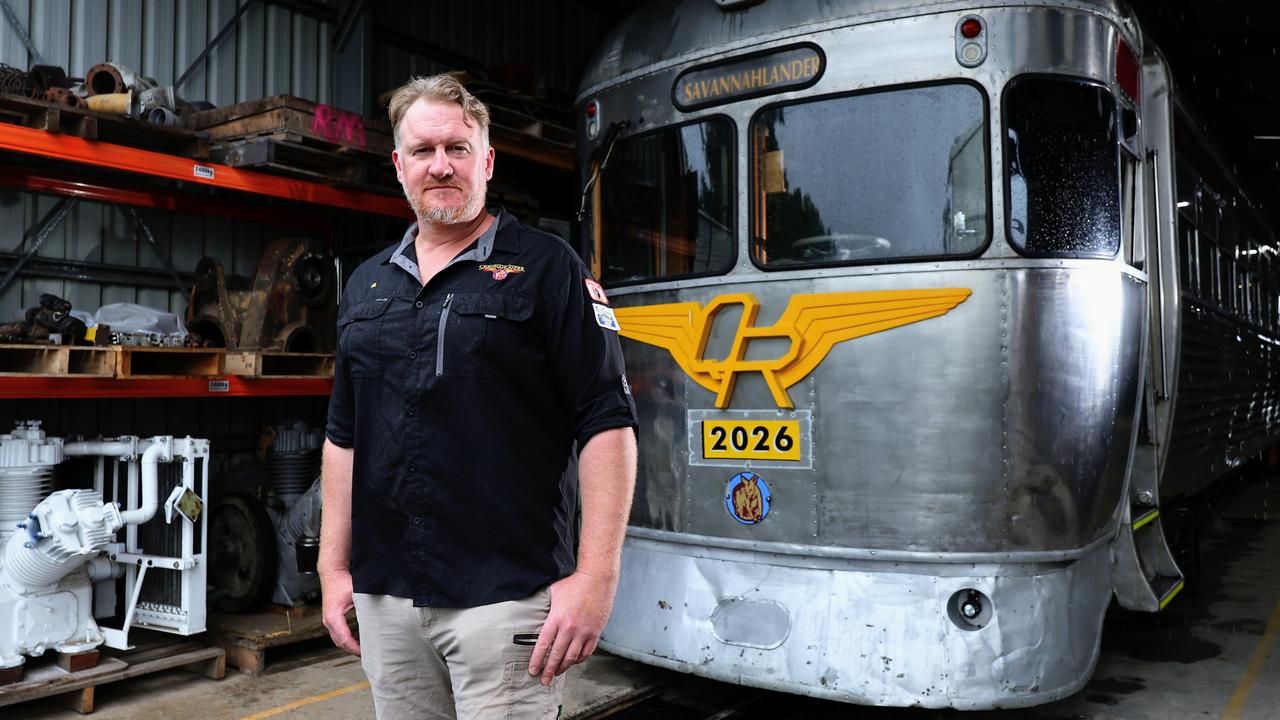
{"points": [[335, 519], [606, 477]]}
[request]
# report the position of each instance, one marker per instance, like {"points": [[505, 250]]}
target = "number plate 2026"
{"points": [[758, 438], [751, 439]]}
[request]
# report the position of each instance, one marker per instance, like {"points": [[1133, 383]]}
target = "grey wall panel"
{"points": [[193, 34], [275, 51], [49, 28], [157, 38], [490, 32], [250, 41], [12, 51], [88, 34]]}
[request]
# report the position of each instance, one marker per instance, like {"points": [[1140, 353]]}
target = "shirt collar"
{"points": [[479, 251]]}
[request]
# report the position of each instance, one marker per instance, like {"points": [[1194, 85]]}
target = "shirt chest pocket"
{"points": [[359, 331], [489, 335]]}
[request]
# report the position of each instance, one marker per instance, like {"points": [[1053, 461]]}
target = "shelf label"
{"points": [[203, 171], [219, 386]]}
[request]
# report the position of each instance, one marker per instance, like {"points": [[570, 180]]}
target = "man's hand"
{"points": [[335, 591], [580, 607]]}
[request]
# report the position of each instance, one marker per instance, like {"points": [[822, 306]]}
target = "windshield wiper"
{"points": [[610, 137]]}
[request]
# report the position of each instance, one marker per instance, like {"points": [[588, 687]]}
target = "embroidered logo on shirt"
{"points": [[500, 272], [605, 317], [373, 285], [595, 291]]}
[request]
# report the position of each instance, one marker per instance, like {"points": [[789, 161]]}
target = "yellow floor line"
{"points": [[307, 701], [1235, 706]]}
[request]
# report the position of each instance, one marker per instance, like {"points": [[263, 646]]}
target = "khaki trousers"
{"points": [[455, 664]]}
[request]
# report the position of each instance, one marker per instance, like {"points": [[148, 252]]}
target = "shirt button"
{"points": [[412, 412], [412, 467], [417, 520], [412, 354], [418, 304]]}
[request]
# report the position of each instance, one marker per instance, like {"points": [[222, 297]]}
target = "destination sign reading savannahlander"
{"points": [[795, 67]]}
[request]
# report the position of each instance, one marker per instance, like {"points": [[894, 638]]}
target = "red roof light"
{"points": [[971, 28], [1129, 71]]}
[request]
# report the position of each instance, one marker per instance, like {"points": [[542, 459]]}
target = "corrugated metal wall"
{"points": [[276, 50], [555, 39]]}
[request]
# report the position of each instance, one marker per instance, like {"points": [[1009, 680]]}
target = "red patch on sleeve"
{"points": [[596, 292]]}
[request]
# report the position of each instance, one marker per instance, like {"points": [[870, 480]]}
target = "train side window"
{"points": [[1226, 282], [1185, 180], [1188, 260], [1207, 261], [888, 175], [1134, 254], [1062, 173], [666, 204]]}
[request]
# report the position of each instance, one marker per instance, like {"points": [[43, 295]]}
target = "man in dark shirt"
{"points": [[473, 357]]}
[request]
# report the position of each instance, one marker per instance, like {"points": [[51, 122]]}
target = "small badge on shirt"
{"points": [[596, 292], [500, 272], [605, 317], [626, 387]]}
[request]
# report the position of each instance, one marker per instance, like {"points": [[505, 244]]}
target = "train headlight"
{"points": [[971, 41], [969, 609]]}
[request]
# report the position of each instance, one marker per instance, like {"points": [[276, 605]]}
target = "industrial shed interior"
{"points": [[186, 186]]}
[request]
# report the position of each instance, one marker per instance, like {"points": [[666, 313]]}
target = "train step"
{"points": [[1145, 575]]}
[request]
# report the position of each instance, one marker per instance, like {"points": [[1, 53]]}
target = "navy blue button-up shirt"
{"points": [[463, 400]]}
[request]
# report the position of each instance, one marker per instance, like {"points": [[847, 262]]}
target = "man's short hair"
{"points": [[437, 88]]}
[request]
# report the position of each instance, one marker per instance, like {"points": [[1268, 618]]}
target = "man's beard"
{"points": [[449, 214]]}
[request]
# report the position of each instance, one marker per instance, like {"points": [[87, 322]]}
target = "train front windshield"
{"points": [[875, 177], [889, 175]]}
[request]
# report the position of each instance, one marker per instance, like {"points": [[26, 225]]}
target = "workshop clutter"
{"points": [[279, 323], [106, 88]]}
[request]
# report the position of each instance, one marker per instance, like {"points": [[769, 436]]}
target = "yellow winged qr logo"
{"points": [[813, 323]]}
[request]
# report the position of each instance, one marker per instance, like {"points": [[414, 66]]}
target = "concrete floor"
{"points": [[1211, 654]]}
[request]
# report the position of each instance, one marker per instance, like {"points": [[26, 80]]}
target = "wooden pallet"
{"points": [[124, 361], [303, 121], [276, 364], [286, 154], [92, 125], [79, 361], [44, 678], [153, 362], [247, 638]]}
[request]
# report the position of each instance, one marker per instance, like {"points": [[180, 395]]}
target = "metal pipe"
{"points": [[150, 485], [110, 448], [157, 452]]}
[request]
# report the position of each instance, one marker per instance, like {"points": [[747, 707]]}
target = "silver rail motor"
{"points": [[61, 559]]}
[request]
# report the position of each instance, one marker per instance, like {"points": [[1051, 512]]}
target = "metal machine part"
{"points": [[243, 553], [50, 320], [297, 544], [27, 460], [287, 306], [110, 78], [59, 570], [293, 460], [50, 601]]}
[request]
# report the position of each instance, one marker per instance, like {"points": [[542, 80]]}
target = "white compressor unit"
{"points": [[62, 559]]}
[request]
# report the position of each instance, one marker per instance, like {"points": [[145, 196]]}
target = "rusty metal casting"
{"points": [[287, 306]]}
